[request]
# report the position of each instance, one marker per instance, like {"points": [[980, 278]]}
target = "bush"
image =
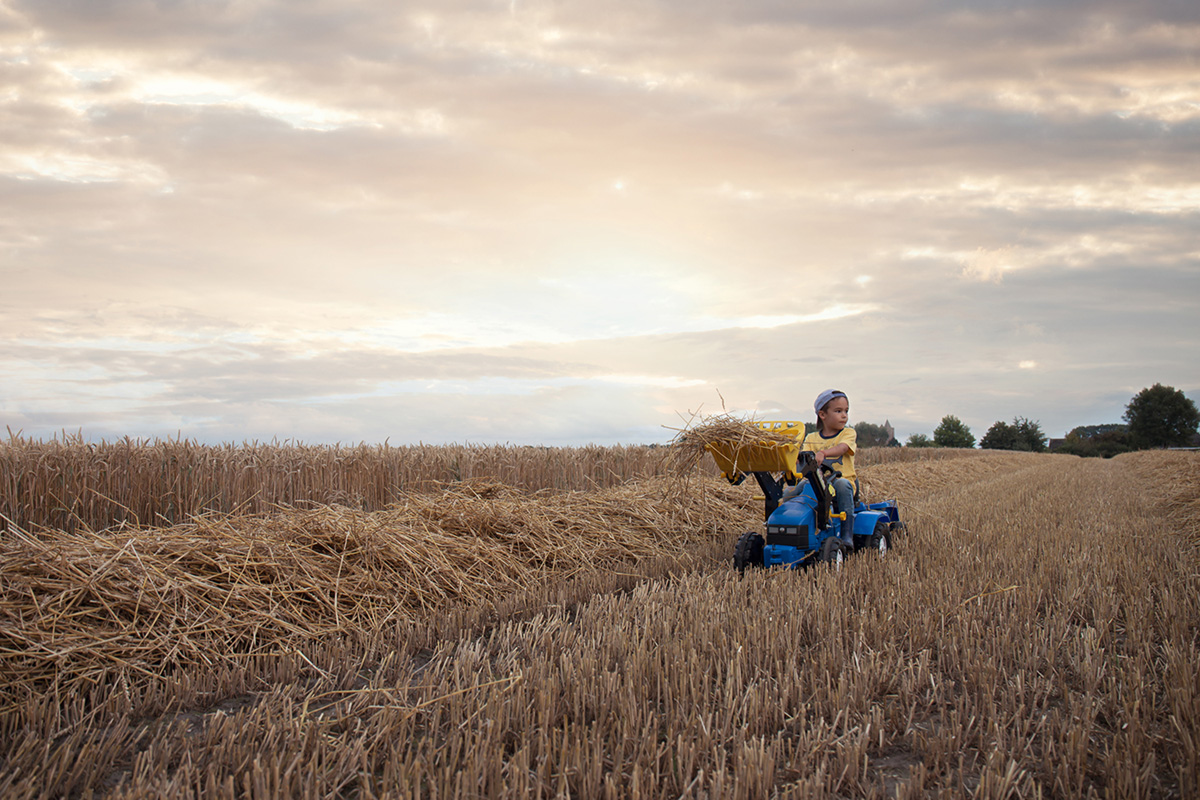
{"points": [[1098, 441], [1022, 434], [1106, 444], [1089, 431]]}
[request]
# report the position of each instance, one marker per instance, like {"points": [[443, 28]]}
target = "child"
{"points": [[834, 444]]}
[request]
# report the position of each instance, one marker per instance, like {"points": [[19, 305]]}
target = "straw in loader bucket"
{"points": [[775, 451]]}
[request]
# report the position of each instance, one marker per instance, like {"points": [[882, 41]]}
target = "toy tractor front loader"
{"points": [[772, 461], [800, 526]]}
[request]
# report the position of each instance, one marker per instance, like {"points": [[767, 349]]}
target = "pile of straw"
{"points": [[87, 608]]}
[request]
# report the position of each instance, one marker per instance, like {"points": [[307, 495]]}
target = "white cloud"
{"points": [[988, 265], [73, 168]]}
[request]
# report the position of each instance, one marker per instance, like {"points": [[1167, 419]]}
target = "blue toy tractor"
{"points": [[802, 526]]}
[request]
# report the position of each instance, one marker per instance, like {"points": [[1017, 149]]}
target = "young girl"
{"points": [[834, 443]]}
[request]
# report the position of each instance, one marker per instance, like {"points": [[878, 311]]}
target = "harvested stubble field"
{"points": [[1037, 632]]}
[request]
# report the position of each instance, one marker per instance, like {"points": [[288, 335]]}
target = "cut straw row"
{"points": [[85, 607]]}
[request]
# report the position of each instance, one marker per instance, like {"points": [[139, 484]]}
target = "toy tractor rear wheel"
{"points": [[748, 552], [881, 540], [831, 552]]}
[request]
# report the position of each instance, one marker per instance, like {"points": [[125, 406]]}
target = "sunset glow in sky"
{"points": [[562, 223]]}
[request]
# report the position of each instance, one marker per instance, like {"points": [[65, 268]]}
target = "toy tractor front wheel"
{"points": [[748, 552], [881, 540], [831, 552]]}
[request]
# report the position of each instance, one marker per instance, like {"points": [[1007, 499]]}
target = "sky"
{"points": [[546, 222]]}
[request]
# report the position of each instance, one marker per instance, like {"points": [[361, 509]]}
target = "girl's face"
{"points": [[835, 415]]}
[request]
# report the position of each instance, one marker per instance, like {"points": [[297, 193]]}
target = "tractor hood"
{"points": [[800, 510]]}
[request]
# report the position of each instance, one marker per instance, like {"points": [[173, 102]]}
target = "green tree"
{"points": [[953, 432], [919, 440], [869, 435], [1030, 435], [1162, 416], [1001, 436], [1022, 434], [1098, 444]]}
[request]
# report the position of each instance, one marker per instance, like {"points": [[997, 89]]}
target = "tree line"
{"points": [[1158, 416]]}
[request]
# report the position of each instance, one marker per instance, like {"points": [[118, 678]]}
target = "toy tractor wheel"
{"points": [[748, 552], [880, 540], [831, 553]]}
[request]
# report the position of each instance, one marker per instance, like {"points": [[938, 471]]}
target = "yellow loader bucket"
{"points": [[737, 458]]}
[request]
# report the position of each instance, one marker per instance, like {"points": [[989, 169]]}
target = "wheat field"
{"points": [[1035, 633]]}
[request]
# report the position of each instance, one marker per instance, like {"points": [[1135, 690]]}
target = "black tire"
{"points": [[832, 552], [748, 552], [881, 539]]}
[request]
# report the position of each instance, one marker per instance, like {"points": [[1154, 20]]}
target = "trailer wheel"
{"points": [[831, 552], [748, 552], [880, 540]]}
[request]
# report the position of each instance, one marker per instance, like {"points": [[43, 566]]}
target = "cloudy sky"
{"points": [[538, 221]]}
